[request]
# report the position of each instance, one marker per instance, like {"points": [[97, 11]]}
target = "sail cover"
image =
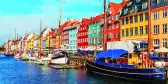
{"points": [[111, 53]]}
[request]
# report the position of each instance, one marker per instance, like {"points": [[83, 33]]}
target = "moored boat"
{"points": [[59, 57], [106, 64]]}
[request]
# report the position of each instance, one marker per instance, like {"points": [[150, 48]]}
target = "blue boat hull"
{"points": [[156, 74]]}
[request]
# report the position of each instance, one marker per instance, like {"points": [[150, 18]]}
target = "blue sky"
{"points": [[24, 15]]}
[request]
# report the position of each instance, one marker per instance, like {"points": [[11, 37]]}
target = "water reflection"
{"points": [[20, 72]]}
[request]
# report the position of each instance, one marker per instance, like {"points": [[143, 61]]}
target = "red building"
{"points": [[82, 37], [112, 31], [64, 34]]}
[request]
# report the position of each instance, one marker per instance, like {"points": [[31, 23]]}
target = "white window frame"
{"points": [[164, 13], [156, 42], [164, 42], [164, 28]]}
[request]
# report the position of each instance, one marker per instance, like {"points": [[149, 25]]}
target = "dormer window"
{"points": [[128, 4], [144, 5], [125, 11], [138, 1]]}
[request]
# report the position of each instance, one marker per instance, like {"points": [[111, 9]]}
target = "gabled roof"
{"points": [[52, 33], [26, 36], [85, 20], [65, 24], [96, 18], [115, 7]]}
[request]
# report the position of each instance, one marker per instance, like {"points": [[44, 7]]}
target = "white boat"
{"points": [[17, 56], [59, 60]]}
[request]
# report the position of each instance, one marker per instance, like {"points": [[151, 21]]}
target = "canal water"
{"points": [[14, 71]]}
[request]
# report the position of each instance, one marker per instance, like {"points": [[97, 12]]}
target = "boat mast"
{"points": [[49, 43], [8, 43], [15, 41], [104, 24], [40, 33], [149, 27], [59, 25]]}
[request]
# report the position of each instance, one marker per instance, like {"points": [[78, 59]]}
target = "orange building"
{"points": [[159, 23]]}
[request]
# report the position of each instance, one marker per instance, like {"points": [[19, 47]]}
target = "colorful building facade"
{"points": [[134, 21], [112, 31], [58, 38], [95, 31], [37, 43], [31, 42], [159, 23], [65, 35], [53, 39], [82, 37], [73, 35]]}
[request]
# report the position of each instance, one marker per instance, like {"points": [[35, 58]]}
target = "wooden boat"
{"points": [[126, 70]]}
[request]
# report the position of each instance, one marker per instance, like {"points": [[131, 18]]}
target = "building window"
{"points": [[164, 42], [122, 32], [146, 29], [117, 25], [122, 21], [160, 1], [131, 31], [146, 16], [164, 28], [141, 17], [131, 19], [138, 0], [144, 5], [141, 30], [136, 31], [117, 35], [156, 15], [165, 13], [126, 20], [127, 32], [156, 42], [156, 29], [136, 18]]}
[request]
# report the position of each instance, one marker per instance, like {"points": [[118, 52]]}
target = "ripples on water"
{"points": [[19, 72]]}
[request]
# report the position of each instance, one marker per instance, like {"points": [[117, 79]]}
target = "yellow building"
{"points": [[134, 22], [159, 25], [31, 42], [48, 41], [57, 39]]}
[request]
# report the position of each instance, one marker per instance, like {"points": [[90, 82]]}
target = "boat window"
{"points": [[144, 46]]}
